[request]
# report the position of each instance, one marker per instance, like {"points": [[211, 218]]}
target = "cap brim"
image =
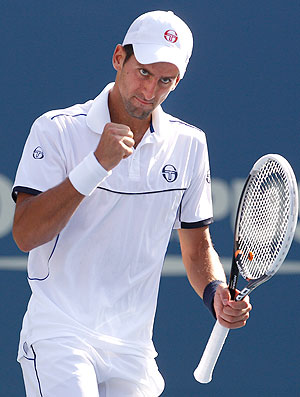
{"points": [[153, 53]]}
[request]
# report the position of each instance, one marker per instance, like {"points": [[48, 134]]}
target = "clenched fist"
{"points": [[116, 143], [230, 314]]}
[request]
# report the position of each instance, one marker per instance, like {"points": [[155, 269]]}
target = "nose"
{"points": [[149, 88]]}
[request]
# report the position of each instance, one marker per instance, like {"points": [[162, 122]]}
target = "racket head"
{"points": [[266, 218], [278, 193]]}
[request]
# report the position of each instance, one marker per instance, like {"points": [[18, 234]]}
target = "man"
{"points": [[99, 188]]}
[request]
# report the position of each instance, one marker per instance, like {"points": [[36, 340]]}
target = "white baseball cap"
{"points": [[160, 36]]}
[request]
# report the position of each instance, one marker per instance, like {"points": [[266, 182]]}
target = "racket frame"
{"points": [[235, 267], [203, 372]]}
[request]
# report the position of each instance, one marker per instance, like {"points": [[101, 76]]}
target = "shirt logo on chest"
{"points": [[170, 173]]}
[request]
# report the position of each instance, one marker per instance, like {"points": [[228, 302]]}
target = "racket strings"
{"points": [[264, 218]]}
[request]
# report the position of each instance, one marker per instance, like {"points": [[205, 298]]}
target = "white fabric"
{"points": [[99, 278], [161, 36], [63, 367], [87, 175]]}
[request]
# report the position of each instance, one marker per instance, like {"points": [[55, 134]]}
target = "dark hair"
{"points": [[129, 51]]}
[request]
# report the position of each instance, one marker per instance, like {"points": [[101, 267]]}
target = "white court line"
{"points": [[173, 265], [13, 262]]}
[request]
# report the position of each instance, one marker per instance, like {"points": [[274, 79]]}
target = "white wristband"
{"points": [[87, 175]]}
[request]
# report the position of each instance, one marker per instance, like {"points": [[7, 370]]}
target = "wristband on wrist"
{"points": [[209, 294], [87, 175]]}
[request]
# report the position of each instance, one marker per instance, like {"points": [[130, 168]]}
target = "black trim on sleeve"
{"points": [[195, 225], [23, 189]]}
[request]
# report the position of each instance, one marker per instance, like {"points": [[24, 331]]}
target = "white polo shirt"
{"points": [[99, 278]]}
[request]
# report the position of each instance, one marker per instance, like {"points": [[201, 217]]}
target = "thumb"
{"points": [[224, 294]]}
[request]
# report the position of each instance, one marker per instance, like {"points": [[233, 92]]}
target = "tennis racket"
{"points": [[264, 228]]}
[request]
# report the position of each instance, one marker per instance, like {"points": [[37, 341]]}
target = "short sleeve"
{"points": [[196, 206], [42, 165]]}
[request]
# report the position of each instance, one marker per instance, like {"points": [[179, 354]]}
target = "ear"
{"points": [[118, 57], [176, 82]]}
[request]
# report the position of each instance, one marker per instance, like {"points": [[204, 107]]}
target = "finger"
{"points": [[127, 150], [130, 134], [223, 293], [129, 142], [240, 305], [233, 321], [234, 317], [235, 313], [123, 130], [235, 325]]}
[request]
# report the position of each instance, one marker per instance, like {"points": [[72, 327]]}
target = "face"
{"points": [[143, 87]]}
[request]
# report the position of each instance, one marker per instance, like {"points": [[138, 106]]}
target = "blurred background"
{"points": [[242, 89]]}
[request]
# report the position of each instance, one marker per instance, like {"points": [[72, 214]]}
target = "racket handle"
{"points": [[203, 373]]}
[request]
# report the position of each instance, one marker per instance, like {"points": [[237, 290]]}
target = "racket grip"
{"points": [[203, 373]]}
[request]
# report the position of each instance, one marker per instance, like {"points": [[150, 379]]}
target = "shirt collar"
{"points": [[98, 116]]}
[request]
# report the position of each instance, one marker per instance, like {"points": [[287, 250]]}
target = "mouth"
{"points": [[143, 101]]}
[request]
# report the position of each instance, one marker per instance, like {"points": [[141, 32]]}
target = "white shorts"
{"points": [[62, 367]]}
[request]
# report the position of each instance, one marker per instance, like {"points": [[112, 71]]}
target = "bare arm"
{"points": [[38, 219], [200, 258], [203, 266]]}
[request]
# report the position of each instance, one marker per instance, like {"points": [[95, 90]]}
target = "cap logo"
{"points": [[171, 35]]}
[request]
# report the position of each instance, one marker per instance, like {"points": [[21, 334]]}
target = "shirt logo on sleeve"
{"points": [[208, 179], [170, 173], [38, 153]]}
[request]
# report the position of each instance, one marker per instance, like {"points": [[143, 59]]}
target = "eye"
{"points": [[144, 72], [165, 80]]}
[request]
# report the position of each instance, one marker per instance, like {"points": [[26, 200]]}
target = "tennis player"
{"points": [[98, 190]]}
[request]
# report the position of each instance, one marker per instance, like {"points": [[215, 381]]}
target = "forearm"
{"points": [[200, 259], [203, 269], [38, 219]]}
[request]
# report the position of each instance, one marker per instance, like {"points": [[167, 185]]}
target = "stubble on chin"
{"points": [[136, 112]]}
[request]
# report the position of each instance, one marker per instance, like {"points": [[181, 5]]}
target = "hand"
{"points": [[116, 143], [230, 314]]}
